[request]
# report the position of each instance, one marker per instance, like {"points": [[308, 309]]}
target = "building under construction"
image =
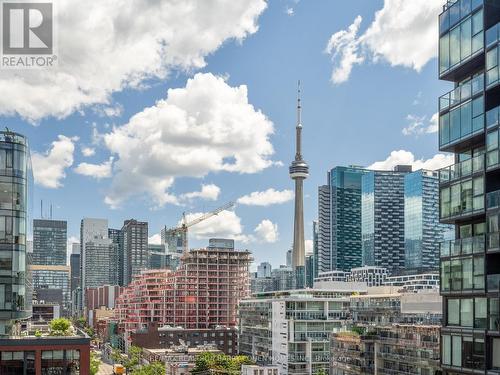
{"points": [[202, 293]]}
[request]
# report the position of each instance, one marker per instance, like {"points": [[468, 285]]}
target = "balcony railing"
{"points": [[493, 283], [493, 200], [493, 241], [461, 93], [463, 246], [463, 169], [492, 117]]}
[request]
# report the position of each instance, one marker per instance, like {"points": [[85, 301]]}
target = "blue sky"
{"points": [[358, 117]]}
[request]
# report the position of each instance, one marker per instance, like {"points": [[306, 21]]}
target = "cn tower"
{"points": [[299, 171]]}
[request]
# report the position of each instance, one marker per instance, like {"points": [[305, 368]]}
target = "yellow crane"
{"points": [[183, 229]]}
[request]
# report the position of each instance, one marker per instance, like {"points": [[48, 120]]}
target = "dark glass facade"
{"points": [[468, 127], [49, 242], [15, 179]]}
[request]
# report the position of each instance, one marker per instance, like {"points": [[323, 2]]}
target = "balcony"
{"points": [[461, 93], [493, 283], [493, 242], [493, 200], [463, 169], [464, 246]]}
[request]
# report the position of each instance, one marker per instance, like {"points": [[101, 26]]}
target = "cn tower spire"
{"points": [[299, 171]]}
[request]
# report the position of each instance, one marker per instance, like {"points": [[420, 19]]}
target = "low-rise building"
{"points": [[352, 354], [291, 329], [259, 370], [224, 339], [416, 282], [371, 275], [178, 360], [45, 355]]}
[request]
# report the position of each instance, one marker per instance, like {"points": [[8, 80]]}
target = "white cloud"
{"points": [[402, 157], [208, 126], [266, 231], [419, 125], [226, 225], [109, 111], [155, 239], [49, 167], [289, 11], [209, 192], [88, 151], [343, 47], [96, 171], [266, 198], [403, 33], [107, 46]]}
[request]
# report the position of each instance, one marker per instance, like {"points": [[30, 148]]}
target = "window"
{"points": [[446, 347], [454, 312], [480, 312], [478, 272], [456, 351], [466, 312], [467, 282], [494, 320]]}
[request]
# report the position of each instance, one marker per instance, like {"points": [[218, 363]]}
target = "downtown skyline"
{"points": [[88, 136]]}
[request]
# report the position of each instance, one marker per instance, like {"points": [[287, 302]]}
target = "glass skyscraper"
{"points": [[469, 35], [49, 242], [422, 230], [382, 218], [15, 185], [345, 218]]}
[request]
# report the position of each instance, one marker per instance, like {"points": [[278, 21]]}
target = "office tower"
{"points": [[422, 231], [292, 329], [116, 237], [99, 255], [49, 242], [52, 284], [15, 188], [173, 240], [135, 248], [299, 171], [382, 219], [315, 248], [324, 259], [469, 189], [345, 220], [289, 258], [283, 278], [74, 264], [309, 270], [264, 269]]}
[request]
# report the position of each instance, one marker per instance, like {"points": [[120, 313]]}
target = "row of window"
{"points": [[461, 42], [462, 121], [462, 197], [462, 274], [463, 351], [459, 10]]}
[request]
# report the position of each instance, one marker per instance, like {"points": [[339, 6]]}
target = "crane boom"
{"points": [[183, 228]]}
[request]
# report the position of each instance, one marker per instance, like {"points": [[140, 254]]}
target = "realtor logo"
{"points": [[27, 35]]}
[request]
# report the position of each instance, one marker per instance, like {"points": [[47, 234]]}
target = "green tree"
{"points": [[321, 371], [81, 322], [134, 357], [95, 362], [59, 327], [156, 368], [209, 361], [116, 356]]}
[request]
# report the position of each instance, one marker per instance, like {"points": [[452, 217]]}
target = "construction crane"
{"points": [[182, 230]]}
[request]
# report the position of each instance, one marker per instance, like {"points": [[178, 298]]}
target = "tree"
{"points": [[95, 362], [116, 356], [59, 327], [156, 368], [321, 371], [209, 361], [134, 357]]}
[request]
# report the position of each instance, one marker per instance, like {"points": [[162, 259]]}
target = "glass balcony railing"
{"points": [[492, 117], [456, 10], [463, 246], [461, 93], [493, 241], [492, 159], [493, 35], [493, 283], [493, 200], [463, 169]]}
